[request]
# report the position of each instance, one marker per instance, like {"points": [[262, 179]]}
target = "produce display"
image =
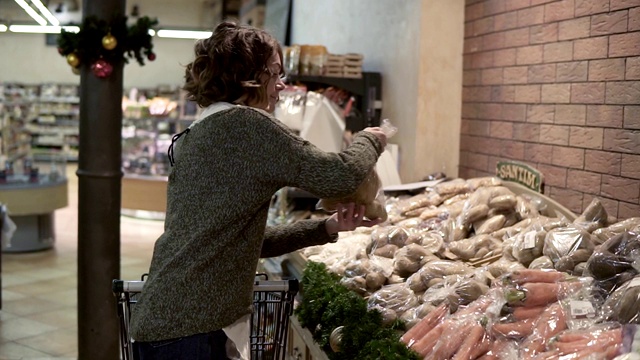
{"points": [[476, 271]]}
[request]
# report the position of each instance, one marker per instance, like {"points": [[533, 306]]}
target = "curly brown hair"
{"points": [[230, 65]]}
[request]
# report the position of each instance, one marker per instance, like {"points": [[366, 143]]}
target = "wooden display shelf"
{"points": [[144, 192]]}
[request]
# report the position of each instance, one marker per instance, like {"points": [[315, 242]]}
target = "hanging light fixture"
{"points": [[45, 11], [34, 14]]}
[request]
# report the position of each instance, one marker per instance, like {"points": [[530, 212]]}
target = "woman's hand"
{"points": [[347, 218], [382, 137]]}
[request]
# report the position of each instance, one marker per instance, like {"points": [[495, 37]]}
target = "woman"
{"points": [[227, 166]]}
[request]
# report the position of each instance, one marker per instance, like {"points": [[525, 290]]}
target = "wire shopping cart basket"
{"points": [[272, 307]]}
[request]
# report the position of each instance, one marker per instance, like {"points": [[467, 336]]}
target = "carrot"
{"points": [[452, 338], [468, 345], [425, 325], [427, 342], [534, 294], [551, 322], [547, 355], [518, 329], [570, 336], [523, 313], [602, 340], [482, 347], [524, 276], [496, 349]]}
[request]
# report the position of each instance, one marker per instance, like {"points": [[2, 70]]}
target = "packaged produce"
{"points": [[615, 261], [419, 281], [623, 305], [593, 217], [369, 194], [475, 247], [603, 234], [568, 246], [396, 297]]}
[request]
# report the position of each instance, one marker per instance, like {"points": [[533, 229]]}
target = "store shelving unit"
{"points": [[18, 105]]}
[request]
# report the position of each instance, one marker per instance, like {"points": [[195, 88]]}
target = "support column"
{"points": [[99, 175]]}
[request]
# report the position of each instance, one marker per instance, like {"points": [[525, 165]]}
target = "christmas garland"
{"points": [[100, 44], [327, 305]]}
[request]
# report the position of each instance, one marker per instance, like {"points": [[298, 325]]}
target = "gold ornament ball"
{"points": [[109, 42], [75, 70], [73, 60]]}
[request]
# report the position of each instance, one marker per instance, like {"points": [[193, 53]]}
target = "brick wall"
{"points": [[556, 84]]}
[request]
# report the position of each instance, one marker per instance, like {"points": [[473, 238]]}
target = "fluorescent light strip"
{"points": [[183, 34], [3, 28], [44, 11], [35, 29], [39, 19]]}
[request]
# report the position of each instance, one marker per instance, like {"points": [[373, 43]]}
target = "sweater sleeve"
{"points": [[283, 239]]}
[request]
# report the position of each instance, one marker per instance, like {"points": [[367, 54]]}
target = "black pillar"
{"points": [[99, 175]]}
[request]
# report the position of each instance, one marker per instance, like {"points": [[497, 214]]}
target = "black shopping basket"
{"points": [[272, 303]]}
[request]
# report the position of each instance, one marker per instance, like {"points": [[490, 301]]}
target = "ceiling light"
{"points": [[152, 32], [44, 11], [3, 28], [35, 29], [39, 19], [184, 34]]}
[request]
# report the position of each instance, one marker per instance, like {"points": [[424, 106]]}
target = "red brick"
{"points": [[623, 4], [492, 76], [478, 127], [602, 162], [586, 137], [472, 45], [611, 23], [531, 16], [536, 152], [572, 71], [490, 111], [468, 30], [593, 48], [505, 21], [514, 112], [632, 117], [504, 57], [493, 41], [627, 210], [493, 7], [621, 140], [610, 205], [620, 188], [604, 116], [529, 55], [571, 114], [554, 134], [477, 161], [560, 51], [528, 93], [588, 93], [492, 146], [541, 113], [606, 70], [464, 126], [556, 93], [570, 199], [624, 44], [538, 2], [467, 62], [465, 143], [559, 10], [634, 19], [516, 4], [501, 130], [469, 110], [542, 73], [514, 150], [574, 29], [568, 157], [471, 77], [630, 166], [633, 68], [475, 11], [481, 60], [517, 37], [476, 94], [526, 132], [623, 92], [503, 94], [584, 181], [482, 26], [540, 34], [515, 75], [589, 7], [553, 175]]}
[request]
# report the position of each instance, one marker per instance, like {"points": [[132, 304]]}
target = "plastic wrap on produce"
{"points": [[604, 234], [542, 262], [409, 259], [568, 246], [475, 247], [503, 266], [346, 248], [623, 305], [422, 200], [602, 341], [551, 322], [369, 194], [436, 269], [526, 208], [396, 297], [593, 217], [456, 291], [452, 188], [475, 183], [581, 305], [616, 261]]}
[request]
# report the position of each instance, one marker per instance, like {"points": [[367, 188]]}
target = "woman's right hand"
{"points": [[382, 137]]}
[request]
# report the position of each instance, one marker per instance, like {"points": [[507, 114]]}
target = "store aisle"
{"points": [[39, 297]]}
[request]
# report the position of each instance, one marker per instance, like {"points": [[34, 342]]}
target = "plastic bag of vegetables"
{"points": [[369, 194], [616, 261], [568, 246], [623, 305], [593, 217]]}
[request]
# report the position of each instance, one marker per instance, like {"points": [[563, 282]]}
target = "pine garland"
{"points": [[327, 304]]}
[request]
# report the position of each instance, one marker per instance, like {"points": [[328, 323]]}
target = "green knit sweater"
{"points": [[226, 170]]}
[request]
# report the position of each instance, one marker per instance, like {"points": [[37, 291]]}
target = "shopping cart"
{"points": [[272, 307]]}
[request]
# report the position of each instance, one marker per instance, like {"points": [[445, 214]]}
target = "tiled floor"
{"points": [[38, 316]]}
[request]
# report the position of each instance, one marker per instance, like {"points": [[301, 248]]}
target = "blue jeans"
{"points": [[209, 346]]}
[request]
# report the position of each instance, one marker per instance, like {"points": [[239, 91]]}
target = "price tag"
{"points": [[581, 309], [635, 282], [529, 240]]}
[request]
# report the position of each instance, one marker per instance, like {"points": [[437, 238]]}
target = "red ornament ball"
{"points": [[60, 51], [101, 68], [151, 56]]}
